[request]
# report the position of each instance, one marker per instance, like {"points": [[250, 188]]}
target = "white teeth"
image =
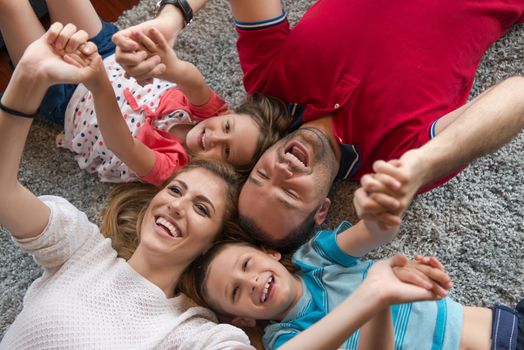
{"points": [[204, 141], [171, 229], [266, 288], [295, 157]]}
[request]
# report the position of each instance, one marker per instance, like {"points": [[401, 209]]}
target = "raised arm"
{"points": [[170, 68], [379, 290], [21, 212], [478, 128], [170, 22]]}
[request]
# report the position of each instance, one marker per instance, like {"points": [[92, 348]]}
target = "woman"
{"points": [[87, 297]]}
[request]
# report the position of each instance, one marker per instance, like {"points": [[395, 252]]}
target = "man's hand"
{"points": [[386, 194], [133, 56], [162, 57]]}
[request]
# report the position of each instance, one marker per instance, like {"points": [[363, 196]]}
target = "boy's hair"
{"points": [[272, 117], [123, 215], [291, 241], [195, 279]]}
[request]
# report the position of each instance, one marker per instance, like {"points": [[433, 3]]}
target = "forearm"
{"points": [[363, 237], [170, 21], [340, 323], [115, 131], [190, 80], [486, 124], [16, 199], [378, 332]]}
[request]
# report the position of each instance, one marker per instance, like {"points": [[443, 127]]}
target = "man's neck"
{"points": [[325, 125]]}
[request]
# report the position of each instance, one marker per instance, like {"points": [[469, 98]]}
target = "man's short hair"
{"points": [[294, 239]]}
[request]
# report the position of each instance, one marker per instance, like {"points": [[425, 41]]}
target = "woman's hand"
{"points": [[61, 55]]}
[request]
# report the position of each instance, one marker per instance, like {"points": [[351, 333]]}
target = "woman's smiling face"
{"points": [[185, 216]]}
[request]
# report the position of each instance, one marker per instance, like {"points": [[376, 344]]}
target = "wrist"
{"points": [[183, 10], [18, 96]]}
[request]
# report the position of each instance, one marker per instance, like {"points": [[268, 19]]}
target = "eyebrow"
{"points": [[287, 204], [200, 197]]}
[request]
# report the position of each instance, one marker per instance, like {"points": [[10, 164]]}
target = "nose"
{"points": [[177, 207], [218, 138], [254, 283], [282, 170]]}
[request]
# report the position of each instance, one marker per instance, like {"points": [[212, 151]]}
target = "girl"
{"points": [[125, 131]]}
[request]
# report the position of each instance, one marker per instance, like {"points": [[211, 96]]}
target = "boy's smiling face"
{"points": [[250, 284]]}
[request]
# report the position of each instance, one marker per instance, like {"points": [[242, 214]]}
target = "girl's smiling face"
{"points": [[232, 138], [185, 216]]}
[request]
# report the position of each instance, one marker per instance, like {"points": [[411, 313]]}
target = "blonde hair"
{"points": [[122, 217]]}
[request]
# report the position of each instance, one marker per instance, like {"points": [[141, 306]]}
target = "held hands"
{"points": [[397, 280], [61, 55], [386, 194], [133, 56], [162, 60]]}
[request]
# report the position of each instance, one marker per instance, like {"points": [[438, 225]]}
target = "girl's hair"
{"points": [[122, 217], [272, 117]]}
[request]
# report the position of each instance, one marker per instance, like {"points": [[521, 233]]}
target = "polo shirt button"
{"points": [[336, 105]]}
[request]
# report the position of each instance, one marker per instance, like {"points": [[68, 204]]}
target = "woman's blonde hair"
{"points": [[122, 217]]}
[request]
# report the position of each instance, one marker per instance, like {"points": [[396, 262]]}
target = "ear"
{"points": [[244, 322], [322, 212], [272, 253]]}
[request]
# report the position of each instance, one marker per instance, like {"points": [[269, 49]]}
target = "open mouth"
{"points": [[297, 154], [266, 292], [168, 227]]}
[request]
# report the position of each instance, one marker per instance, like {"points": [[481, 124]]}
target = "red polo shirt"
{"points": [[386, 70]]}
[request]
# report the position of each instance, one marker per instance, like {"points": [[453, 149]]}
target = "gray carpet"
{"points": [[474, 224]]}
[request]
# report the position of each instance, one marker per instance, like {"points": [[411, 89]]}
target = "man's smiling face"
{"points": [[288, 184]]}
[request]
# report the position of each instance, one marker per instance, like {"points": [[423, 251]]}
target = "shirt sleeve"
{"points": [[170, 155], [213, 107], [258, 45], [67, 230], [323, 250]]}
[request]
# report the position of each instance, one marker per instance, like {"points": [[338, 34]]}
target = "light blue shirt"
{"points": [[329, 275]]}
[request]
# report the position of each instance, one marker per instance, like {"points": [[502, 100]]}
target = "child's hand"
{"points": [[382, 281], [425, 272], [161, 57], [386, 194], [56, 57], [131, 55]]}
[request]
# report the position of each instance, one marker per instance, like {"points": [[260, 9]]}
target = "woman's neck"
{"points": [[155, 269]]}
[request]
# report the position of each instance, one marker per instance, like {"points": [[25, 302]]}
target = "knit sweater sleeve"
{"points": [[199, 330], [67, 230]]}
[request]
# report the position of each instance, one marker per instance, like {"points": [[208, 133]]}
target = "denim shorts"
{"points": [[55, 101]]}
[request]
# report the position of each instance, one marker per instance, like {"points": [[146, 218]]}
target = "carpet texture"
{"points": [[474, 224]]}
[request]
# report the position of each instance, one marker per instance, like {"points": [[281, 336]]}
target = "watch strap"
{"points": [[182, 5]]}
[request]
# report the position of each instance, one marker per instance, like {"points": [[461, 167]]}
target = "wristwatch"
{"points": [[182, 5]]}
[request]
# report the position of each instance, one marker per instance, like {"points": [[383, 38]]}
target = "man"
{"points": [[373, 80]]}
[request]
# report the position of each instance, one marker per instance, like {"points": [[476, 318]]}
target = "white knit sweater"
{"points": [[88, 298]]}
